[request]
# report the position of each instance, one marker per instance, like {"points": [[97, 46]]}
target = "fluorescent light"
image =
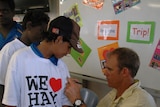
{"points": [[61, 1], [136, 7], [154, 5]]}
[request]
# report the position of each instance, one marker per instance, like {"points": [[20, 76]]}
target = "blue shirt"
{"points": [[15, 32], [53, 59]]}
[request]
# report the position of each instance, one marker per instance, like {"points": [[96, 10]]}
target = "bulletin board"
{"points": [[127, 24]]}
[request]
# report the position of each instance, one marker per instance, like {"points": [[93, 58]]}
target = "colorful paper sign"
{"points": [[97, 4], [140, 32], [108, 30], [155, 61], [74, 14], [102, 52], [80, 58], [122, 5]]}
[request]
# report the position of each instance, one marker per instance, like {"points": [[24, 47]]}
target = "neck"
{"points": [[7, 26], [42, 48], [25, 40], [124, 87], [5, 29]]}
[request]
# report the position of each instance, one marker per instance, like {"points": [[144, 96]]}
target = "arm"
{"points": [[72, 91]]}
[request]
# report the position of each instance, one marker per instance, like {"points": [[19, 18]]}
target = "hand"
{"points": [[72, 90]]}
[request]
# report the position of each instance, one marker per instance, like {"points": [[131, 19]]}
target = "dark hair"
{"points": [[52, 37], [10, 3], [37, 17], [127, 58]]}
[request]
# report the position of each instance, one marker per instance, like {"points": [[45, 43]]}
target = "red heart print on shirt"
{"points": [[56, 84]]}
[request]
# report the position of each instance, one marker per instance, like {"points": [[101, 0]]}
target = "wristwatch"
{"points": [[78, 103]]}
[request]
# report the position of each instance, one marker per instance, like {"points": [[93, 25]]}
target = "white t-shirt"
{"points": [[35, 81], [5, 56]]}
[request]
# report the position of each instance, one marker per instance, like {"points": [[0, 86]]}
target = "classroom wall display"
{"points": [[103, 51], [73, 12], [155, 61], [140, 32], [108, 30], [122, 5], [80, 58], [97, 4], [145, 11]]}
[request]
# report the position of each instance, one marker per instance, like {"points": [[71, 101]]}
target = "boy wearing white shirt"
{"points": [[34, 22], [37, 74]]}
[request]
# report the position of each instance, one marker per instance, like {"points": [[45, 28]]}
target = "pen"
{"points": [[78, 82]]}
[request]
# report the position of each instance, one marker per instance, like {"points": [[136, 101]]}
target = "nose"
{"points": [[106, 72]]}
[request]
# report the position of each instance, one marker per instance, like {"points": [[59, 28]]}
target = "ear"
{"points": [[59, 39], [29, 25], [125, 72]]}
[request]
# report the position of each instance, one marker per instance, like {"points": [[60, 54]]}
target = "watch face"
{"points": [[78, 102]]}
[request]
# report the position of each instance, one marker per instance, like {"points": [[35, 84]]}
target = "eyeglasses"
{"points": [[4, 11]]}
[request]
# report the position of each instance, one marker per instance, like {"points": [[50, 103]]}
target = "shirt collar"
{"points": [[53, 59], [130, 90], [127, 93]]}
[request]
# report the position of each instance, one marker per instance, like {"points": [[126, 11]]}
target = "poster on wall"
{"points": [[97, 4], [140, 32], [108, 30], [80, 58], [122, 5], [74, 14], [102, 52], [155, 61]]}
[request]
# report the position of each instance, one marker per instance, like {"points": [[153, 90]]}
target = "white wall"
{"points": [[147, 10]]}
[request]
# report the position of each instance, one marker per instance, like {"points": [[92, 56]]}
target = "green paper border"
{"points": [[81, 56], [141, 41]]}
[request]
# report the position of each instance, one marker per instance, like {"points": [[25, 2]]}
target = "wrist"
{"points": [[78, 103]]}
